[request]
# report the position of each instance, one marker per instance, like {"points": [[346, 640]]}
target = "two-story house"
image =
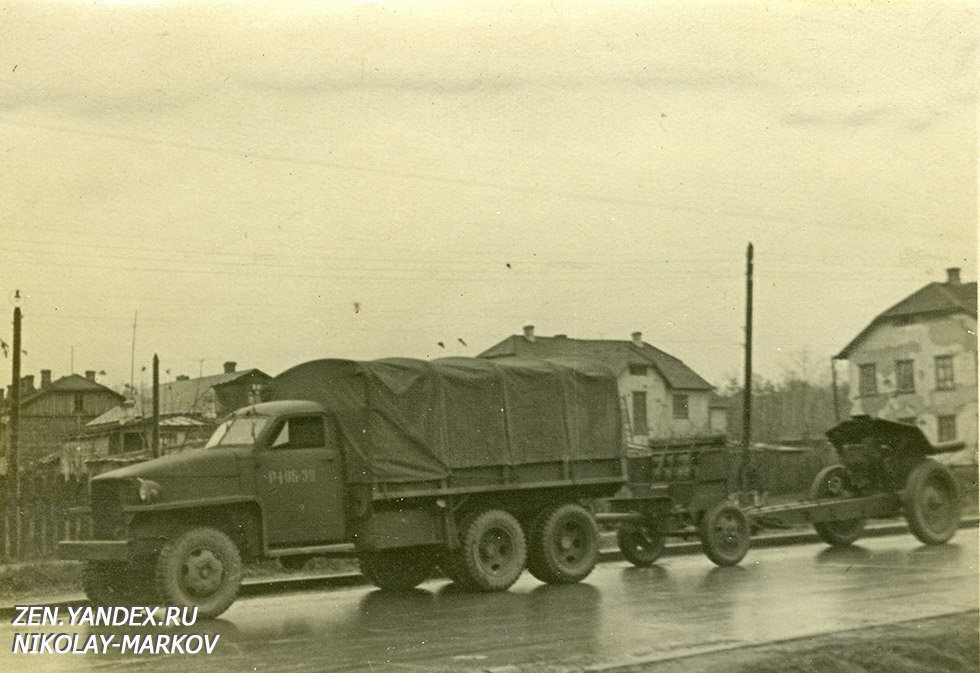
{"points": [[52, 412], [664, 400], [917, 363]]}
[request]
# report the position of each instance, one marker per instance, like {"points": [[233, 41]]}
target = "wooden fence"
{"points": [[32, 529]]}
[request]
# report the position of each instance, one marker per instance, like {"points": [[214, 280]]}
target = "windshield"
{"points": [[237, 430]]}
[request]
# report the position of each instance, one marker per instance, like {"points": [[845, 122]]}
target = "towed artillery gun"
{"points": [[886, 471]]}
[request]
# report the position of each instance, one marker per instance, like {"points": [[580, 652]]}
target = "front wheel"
{"points": [[725, 535], [640, 545], [199, 567], [835, 482], [564, 545], [931, 503], [398, 569]]}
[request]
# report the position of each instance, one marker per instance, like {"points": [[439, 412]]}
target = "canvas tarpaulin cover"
{"points": [[403, 420]]}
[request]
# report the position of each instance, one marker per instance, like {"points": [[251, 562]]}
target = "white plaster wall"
{"points": [[921, 342]]}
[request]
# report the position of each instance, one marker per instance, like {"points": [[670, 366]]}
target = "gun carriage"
{"points": [[886, 470]]}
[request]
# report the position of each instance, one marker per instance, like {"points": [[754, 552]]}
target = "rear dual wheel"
{"points": [[491, 554], [564, 545]]}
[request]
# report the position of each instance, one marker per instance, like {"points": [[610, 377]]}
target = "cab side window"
{"points": [[303, 432]]}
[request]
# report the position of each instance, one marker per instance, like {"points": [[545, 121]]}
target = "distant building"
{"points": [[189, 410], [664, 400], [917, 363], [52, 412], [211, 397], [718, 414]]}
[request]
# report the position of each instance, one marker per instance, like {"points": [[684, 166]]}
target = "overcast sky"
{"points": [[275, 182]]}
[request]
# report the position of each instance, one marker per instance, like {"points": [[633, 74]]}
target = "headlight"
{"points": [[149, 490]]}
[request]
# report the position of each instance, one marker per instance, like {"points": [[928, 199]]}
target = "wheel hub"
{"points": [[495, 551], [203, 572]]}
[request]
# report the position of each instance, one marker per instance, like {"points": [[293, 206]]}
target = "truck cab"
{"points": [[269, 482]]}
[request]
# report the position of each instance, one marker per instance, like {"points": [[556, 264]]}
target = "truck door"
{"points": [[300, 483]]}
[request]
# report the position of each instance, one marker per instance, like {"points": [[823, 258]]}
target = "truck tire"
{"points": [[397, 569], [931, 503], [639, 545], [491, 554], [110, 583], [563, 545], [835, 482], [725, 536], [199, 567]]}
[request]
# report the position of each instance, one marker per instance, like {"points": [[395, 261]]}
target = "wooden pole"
{"points": [[833, 385], [15, 430], [747, 390], [156, 407]]}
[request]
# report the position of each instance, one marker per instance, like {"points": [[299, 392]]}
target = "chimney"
{"points": [[27, 385], [953, 275], [529, 332], [183, 377], [230, 367], [45, 378], [90, 374], [637, 338]]}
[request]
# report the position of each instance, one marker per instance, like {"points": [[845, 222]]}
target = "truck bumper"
{"points": [[95, 550]]}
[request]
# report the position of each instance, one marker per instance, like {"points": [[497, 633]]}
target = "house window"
{"points": [[132, 441], [78, 403], [904, 376], [640, 425], [638, 370], [680, 406], [867, 380], [255, 393], [944, 372], [947, 428]]}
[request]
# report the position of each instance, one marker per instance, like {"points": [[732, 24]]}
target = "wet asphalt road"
{"points": [[621, 614]]}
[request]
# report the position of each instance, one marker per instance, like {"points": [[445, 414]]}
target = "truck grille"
{"points": [[108, 499]]}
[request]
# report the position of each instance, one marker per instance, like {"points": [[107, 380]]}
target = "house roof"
{"points": [[188, 397], [73, 383], [617, 355], [935, 299], [127, 414]]}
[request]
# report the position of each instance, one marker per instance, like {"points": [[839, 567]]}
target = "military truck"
{"points": [[481, 468]]}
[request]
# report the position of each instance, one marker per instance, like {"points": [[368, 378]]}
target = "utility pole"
{"points": [[15, 426], [833, 384], [132, 355], [155, 447], [747, 390]]}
